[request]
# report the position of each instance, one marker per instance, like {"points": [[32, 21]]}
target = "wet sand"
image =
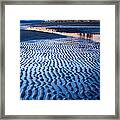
{"points": [[59, 69]]}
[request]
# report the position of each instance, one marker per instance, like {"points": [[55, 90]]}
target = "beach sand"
{"points": [[59, 68]]}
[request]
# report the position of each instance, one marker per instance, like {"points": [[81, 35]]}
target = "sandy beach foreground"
{"points": [[60, 69]]}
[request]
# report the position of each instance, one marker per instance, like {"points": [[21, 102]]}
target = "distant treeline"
{"points": [[36, 23]]}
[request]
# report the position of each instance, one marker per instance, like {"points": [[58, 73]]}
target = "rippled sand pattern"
{"points": [[60, 69]]}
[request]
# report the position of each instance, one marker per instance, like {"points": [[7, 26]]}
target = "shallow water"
{"points": [[60, 69]]}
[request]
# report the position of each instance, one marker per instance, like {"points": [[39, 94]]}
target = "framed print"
{"points": [[59, 59]]}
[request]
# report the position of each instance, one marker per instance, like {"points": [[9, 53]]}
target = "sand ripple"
{"points": [[60, 69]]}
